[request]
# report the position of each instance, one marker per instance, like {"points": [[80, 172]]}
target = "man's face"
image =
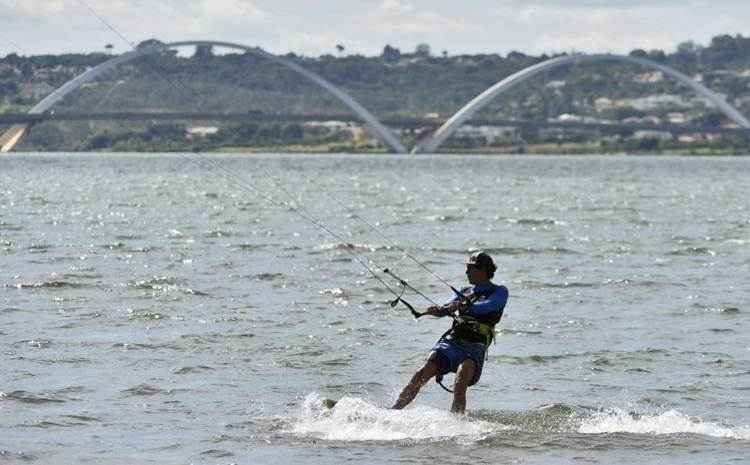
{"points": [[475, 274]]}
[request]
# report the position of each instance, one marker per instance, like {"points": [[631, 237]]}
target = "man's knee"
{"points": [[427, 371], [465, 374]]}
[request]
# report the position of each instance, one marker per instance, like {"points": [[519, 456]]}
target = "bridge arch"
{"points": [[383, 134], [465, 113]]}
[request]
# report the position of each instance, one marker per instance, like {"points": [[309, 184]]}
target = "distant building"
{"points": [[659, 135], [649, 78], [568, 118], [655, 102], [201, 131], [644, 120], [6, 68], [490, 134], [603, 104], [556, 84], [677, 118], [690, 138]]}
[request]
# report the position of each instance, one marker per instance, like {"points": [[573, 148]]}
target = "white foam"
{"points": [[670, 422], [355, 419]]}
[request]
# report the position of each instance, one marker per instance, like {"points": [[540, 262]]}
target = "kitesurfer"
{"points": [[463, 348]]}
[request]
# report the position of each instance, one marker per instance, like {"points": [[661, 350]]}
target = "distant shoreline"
{"points": [[530, 151]]}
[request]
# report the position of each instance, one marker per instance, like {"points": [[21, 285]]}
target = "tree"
{"points": [[391, 54], [711, 119], [649, 144], [687, 55], [99, 142], [639, 53], [109, 48], [8, 88], [423, 50], [340, 48], [658, 56], [292, 134], [688, 48], [150, 43], [725, 48], [517, 56], [13, 59]]}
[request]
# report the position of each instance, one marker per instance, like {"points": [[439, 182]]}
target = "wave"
{"points": [[670, 422], [9, 227], [563, 285], [128, 237], [248, 247], [39, 248], [268, 276], [444, 218], [508, 251], [536, 221], [690, 251], [50, 285], [350, 246], [722, 310], [195, 369], [148, 390], [217, 233], [530, 359], [112, 246], [44, 397], [29, 397], [356, 419], [164, 284], [530, 251]]}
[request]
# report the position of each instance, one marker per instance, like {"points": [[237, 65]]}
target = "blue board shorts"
{"points": [[449, 353]]}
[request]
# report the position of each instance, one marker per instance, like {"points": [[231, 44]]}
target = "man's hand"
{"points": [[456, 306], [445, 310], [435, 311]]}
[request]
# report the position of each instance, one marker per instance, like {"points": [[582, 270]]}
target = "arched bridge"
{"points": [[382, 133], [379, 130], [465, 113]]}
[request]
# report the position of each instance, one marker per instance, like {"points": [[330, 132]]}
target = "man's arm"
{"points": [[495, 303]]}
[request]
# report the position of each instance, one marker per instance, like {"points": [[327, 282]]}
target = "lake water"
{"points": [[175, 309]]}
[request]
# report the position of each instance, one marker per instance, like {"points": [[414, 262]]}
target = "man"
{"points": [[462, 350]]}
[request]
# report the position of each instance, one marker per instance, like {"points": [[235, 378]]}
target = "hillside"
{"points": [[392, 84]]}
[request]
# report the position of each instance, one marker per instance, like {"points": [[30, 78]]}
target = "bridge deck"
{"points": [[401, 122]]}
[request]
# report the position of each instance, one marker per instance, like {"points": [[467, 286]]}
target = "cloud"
{"points": [[614, 26], [396, 7], [365, 26]]}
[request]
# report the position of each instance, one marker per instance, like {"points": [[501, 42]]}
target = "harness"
{"points": [[476, 328]]}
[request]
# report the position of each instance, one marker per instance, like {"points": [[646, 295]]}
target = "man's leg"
{"points": [[464, 375], [419, 379]]}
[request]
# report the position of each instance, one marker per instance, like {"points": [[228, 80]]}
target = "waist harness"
{"points": [[476, 328]]}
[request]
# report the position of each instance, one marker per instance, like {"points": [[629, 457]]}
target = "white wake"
{"points": [[356, 419], [670, 422]]}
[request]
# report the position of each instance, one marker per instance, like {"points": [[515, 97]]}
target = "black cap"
{"points": [[483, 261]]}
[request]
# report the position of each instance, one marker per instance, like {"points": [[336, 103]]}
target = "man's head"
{"points": [[480, 267]]}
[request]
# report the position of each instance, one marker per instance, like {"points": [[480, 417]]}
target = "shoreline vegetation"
{"points": [[419, 84]]}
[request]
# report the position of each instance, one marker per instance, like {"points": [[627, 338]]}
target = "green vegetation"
{"points": [[394, 84]]}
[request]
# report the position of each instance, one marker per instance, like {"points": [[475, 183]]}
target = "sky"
{"points": [[314, 28]]}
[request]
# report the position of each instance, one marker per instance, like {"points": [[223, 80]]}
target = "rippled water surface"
{"points": [[175, 309]]}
